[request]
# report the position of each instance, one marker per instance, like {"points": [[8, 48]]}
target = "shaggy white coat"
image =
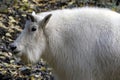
{"points": [[79, 44]]}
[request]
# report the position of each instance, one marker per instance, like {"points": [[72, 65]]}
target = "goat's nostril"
{"points": [[13, 47]]}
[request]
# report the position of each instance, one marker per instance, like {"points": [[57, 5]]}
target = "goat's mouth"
{"points": [[21, 57], [15, 52]]}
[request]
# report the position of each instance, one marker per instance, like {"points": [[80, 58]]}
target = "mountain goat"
{"points": [[79, 44]]}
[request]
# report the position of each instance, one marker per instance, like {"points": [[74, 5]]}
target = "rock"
{"points": [[7, 76], [3, 48], [25, 71], [3, 8], [8, 34]]}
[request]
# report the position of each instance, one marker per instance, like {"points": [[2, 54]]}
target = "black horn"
{"points": [[30, 17]]}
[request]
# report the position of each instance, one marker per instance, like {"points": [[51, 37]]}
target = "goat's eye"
{"points": [[33, 29]]}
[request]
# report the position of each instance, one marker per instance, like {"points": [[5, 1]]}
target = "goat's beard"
{"points": [[24, 59], [30, 56], [21, 57]]}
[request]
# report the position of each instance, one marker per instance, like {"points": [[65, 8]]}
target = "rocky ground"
{"points": [[12, 19]]}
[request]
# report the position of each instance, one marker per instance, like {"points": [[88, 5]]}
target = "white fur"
{"points": [[33, 13], [79, 44]]}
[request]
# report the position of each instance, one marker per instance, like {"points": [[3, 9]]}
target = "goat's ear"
{"points": [[30, 17], [45, 20]]}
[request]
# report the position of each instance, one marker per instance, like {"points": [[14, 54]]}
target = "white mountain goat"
{"points": [[79, 44]]}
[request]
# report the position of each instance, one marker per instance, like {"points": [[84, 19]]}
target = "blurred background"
{"points": [[12, 20]]}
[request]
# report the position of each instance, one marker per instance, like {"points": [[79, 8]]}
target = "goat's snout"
{"points": [[12, 47]]}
